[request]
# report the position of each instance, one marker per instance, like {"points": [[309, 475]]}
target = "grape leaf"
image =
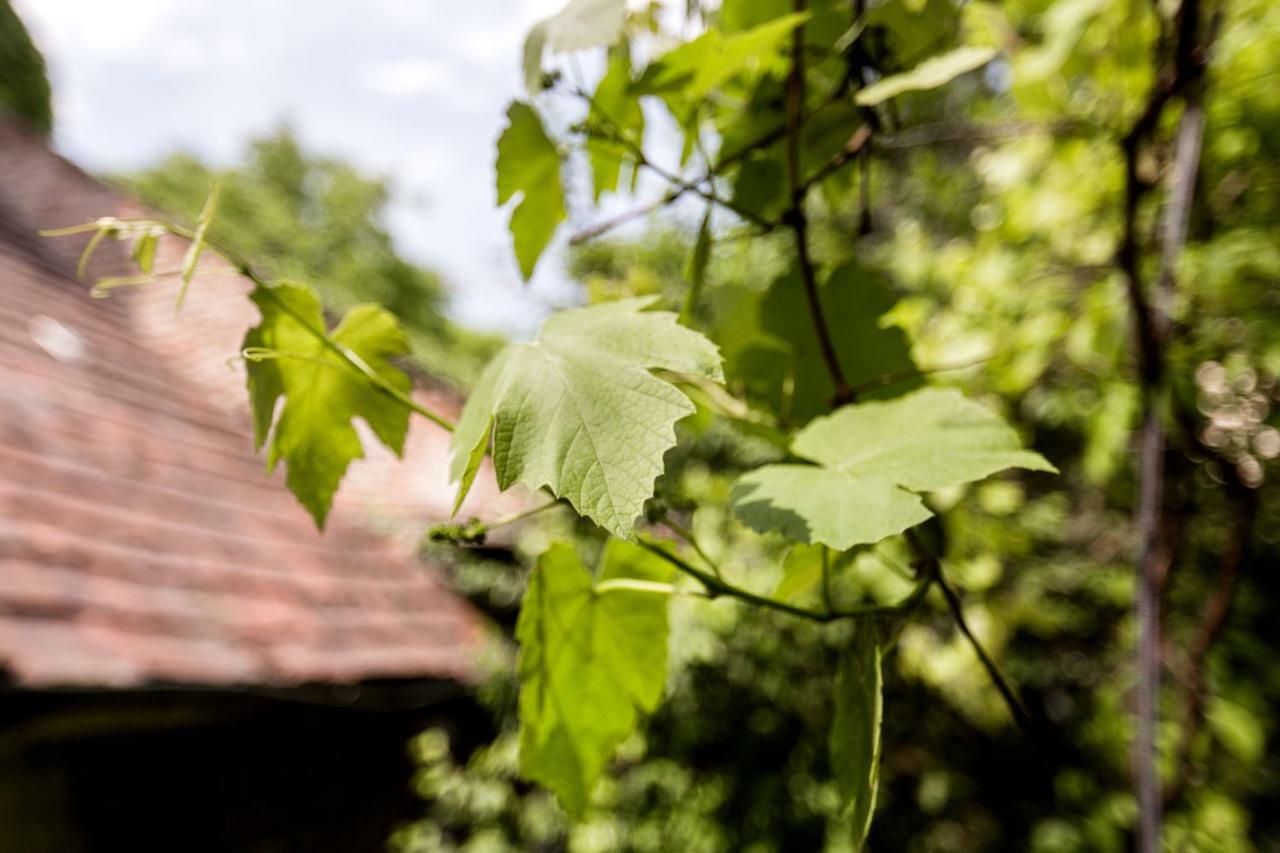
{"points": [[579, 411], [855, 730], [769, 345], [529, 164], [593, 658], [872, 461], [930, 74], [614, 103], [698, 67], [580, 25], [292, 356]]}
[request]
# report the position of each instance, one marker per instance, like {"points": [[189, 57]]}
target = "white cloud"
{"points": [[94, 26], [407, 77]]}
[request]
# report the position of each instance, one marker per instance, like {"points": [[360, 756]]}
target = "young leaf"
{"points": [[290, 355], [192, 256], [579, 411], [580, 25], [698, 67], [695, 268], [872, 461], [144, 249], [592, 660], [855, 730], [930, 74], [529, 164], [614, 103]]}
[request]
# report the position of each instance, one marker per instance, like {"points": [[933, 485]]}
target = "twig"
{"points": [[1016, 708], [591, 232], [716, 587], [795, 215]]}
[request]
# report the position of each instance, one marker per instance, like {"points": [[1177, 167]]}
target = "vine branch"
{"points": [[716, 587], [795, 215]]}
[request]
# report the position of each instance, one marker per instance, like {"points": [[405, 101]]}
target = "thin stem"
{"points": [[795, 215], [521, 516], [687, 536], [635, 584], [716, 587], [1020, 715]]}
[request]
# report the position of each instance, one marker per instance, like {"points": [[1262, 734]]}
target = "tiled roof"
{"points": [[140, 540]]}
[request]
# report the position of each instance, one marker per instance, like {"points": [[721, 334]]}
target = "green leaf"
{"points": [[872, 461], [529, 164], [930, 74], [781, 364], [592, 660], [192, 256], [855, 730], [579, 411], [144, 249], [801, 572], [580, 25], [614, 103], [698, 67], [289, 354], [695, 268]]}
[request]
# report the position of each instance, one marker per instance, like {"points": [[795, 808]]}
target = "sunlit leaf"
{"points": [[291, 355], [873, 460], [592, 660], [579, 410], [855, 729], [614, 103], [529, 165], [930, 74], [711, 60], [580, 25]]}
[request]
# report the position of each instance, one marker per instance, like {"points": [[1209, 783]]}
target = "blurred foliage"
{"points": [[318, 220], [24, 85], [992, 220]]}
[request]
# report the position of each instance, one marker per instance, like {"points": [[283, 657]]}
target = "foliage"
{"points": [[596, 429], [873, 205], [592, 659], [313, 431], [24, 85], [316, 219]]}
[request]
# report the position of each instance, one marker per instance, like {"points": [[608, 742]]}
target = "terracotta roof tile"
{"points": [[140, 540]]}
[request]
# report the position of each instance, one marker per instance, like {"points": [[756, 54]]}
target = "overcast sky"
{"points": [[410, 89]]}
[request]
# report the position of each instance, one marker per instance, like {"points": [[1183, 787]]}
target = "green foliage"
{"points": [[24, 84], [970, 228], [930, 74], [580, 25], [593, 657], [529, 165], [304, 217], [695, 69], [855, 729], [289, 354], [614, 101], [580, 412], [871, 460]]}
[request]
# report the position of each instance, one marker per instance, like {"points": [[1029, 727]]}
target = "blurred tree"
{"points": [[24, 85], [994, 208], [316, 219]]}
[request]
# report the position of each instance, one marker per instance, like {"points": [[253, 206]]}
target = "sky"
{"points": [[413, 90]]}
